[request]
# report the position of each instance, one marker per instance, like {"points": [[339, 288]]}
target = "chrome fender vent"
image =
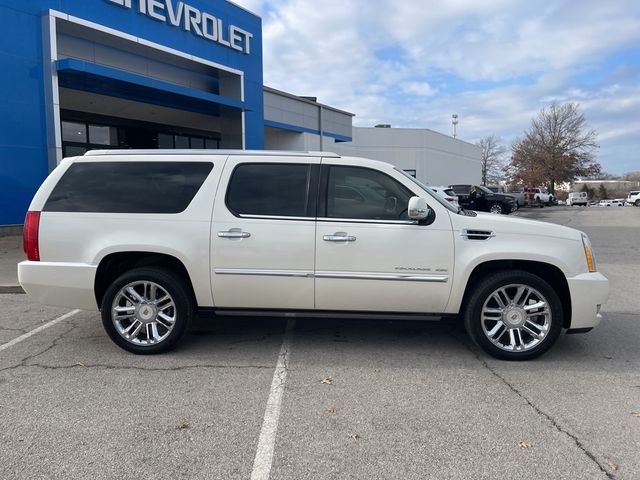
{"points": [[477, 234]]}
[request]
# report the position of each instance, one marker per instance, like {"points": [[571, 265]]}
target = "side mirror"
{"points": [[418, 208]]}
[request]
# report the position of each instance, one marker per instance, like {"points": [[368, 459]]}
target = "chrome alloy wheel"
{"points": [[516, 318], [496, 208], [143, 313]]}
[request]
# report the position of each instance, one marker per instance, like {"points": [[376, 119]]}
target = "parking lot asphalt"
{"points": [[361, 399]]}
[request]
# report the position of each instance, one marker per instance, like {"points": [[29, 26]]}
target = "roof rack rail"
{"points": [[268, 153]]}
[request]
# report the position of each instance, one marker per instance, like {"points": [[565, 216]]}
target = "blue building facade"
{"points": [[82, 74]]}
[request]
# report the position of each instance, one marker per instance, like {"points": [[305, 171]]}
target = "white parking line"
{"points": [[266, 443], [11, 343]]}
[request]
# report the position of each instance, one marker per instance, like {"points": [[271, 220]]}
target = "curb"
{"points": [[10, 230], [11, 289]]}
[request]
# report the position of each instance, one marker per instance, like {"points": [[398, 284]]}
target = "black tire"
{"points": [[496, 208], [183, 310], [485, 288], [637, 203]]}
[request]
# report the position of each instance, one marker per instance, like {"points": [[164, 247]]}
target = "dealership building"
{"points": [[95, 74]]}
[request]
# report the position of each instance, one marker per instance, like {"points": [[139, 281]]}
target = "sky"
{"points": [[495, 63]]}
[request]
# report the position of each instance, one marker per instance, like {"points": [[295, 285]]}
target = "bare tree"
{"points": [[632, 176], [557, 147], [493, 163]]}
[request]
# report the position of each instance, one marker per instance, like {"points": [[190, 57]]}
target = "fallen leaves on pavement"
{"points": [[613, 466], [524, 444], [327, 381], [182, 424], [636, 414], [331, 409], [354, 436]]}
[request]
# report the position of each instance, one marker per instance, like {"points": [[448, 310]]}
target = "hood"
{"points": [[514, 225]]}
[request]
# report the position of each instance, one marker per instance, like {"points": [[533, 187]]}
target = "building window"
{"points": [[182, 141], [103, 135], [197, 142], [165, 140], [74, 132], [79, 137], [211, 143]]}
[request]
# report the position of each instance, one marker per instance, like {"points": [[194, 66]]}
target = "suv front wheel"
{"points": [[147, 310], [513, 315], [496, 208]]}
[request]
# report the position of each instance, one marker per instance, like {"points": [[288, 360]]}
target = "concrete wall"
{"points": [[437, 159], [302, 115], [278, 139]]}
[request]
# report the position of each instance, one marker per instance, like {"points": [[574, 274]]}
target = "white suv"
{"points": [[152, 237], [633, 198]]}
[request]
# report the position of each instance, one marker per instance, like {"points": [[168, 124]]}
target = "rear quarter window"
{"points": [[128, 187]]}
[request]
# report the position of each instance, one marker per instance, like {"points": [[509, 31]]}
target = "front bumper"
{"points": [[588, 292], [62, 284]]}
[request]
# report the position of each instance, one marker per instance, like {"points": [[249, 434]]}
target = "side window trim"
{"points": [[311, 193]]}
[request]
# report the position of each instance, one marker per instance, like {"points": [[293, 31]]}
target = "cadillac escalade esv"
{"points": [[149, 238]]}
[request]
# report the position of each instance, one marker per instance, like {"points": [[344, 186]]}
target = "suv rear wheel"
{"points": [[147, 310], [514, 315]]}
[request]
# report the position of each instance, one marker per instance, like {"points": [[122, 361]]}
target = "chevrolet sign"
{"points": [[191, 19]]}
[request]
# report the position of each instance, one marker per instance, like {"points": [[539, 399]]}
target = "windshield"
{"points": [[430, 191]]}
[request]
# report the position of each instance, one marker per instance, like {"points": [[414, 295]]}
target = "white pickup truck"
{"points": [[151, 237]]}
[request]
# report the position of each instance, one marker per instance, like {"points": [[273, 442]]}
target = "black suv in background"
{"points": [[476, 197]]}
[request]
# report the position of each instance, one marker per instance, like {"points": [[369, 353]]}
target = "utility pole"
{"points": [[454, 122]]}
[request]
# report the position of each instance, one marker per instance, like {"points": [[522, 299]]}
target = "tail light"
{"points": [[30, 236]]}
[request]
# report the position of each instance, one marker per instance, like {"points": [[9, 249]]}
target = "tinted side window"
{"points": [[274, 189], [128, 187], [362, 193]]}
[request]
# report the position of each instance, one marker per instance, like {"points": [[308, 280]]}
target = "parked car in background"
{"points": [[518, 194], [531, 199], [539, 195], [633, 198], [578, 198], [477, 197], [617, 202], [605, 203], [448, 194]]}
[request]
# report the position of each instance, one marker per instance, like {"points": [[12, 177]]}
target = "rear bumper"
{"points": [[588, 292], [62, 284]]}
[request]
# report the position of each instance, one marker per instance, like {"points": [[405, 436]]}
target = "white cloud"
{"points": [[494, 62], [422, 89]]}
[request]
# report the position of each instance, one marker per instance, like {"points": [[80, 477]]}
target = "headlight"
{"points": [[588, 253]]}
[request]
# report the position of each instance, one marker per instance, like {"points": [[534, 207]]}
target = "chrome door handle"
{"points": [[234, 234], [339, 237]]}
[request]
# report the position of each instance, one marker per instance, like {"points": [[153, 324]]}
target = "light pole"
{"points": [[454, 122]]}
